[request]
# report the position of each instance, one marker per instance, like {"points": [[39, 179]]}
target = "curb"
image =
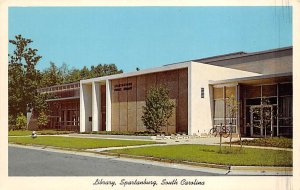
{"points": [[262, 168], [201, 164], [217, 166], [164, 160]]}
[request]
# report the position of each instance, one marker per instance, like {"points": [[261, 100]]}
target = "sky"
{"points": [[147, 37]]}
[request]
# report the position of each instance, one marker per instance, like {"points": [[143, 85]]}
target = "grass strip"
{"points": [[75, 143], [42, 132], [211, 154]]}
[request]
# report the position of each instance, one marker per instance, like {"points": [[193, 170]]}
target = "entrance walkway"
{"points": [[125, 137], [200, 140]]}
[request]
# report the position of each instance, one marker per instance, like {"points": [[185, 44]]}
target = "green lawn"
{"points": [[281, 142], [209, 154], [42, 132], [76, 143]]}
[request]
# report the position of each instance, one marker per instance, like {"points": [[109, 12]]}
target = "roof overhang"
{"points": [[260, 79]]}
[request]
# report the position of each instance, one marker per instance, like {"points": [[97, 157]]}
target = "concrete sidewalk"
{"points": [[123, 137], [200, 140]]}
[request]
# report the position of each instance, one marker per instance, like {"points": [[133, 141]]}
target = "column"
{"points": [[82, 110], [95, 106], [190, 99], [108, 105], [85, 107]]}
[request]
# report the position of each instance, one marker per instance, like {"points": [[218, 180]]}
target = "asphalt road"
{"points": [[29, 162]]}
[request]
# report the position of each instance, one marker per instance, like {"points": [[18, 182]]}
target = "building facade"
{"points": [[63, 112], [260, 83]]}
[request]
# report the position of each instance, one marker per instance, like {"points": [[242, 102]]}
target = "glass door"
{"points": [[255, 121], [261, 120]]}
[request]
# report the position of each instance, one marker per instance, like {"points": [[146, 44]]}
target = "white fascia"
{"points": [[136, 73]]}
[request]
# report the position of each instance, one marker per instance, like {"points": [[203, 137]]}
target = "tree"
{"points": [[23, 78], [158, 108], [51, 76], [103, 70], [232, 106], [84, 73], [55, 75], [40, 104], [64, 71], [73, 76], [42, 120]]}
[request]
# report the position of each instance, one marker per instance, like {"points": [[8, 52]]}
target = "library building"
{"points": [[259, 82]]}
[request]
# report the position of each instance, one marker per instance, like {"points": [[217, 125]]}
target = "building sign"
{"points": [[123, 86]]}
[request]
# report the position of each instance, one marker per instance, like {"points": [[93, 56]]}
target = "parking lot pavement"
{"points": [[35, 162]]}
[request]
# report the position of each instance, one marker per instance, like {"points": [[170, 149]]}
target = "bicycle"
{"points": [[213, 131], [226, 131], [220, 130]]}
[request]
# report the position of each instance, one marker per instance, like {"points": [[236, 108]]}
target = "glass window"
{"points": [[255, 101], [285, 89], [269, 90], [253, 91], [230, 91], [218, 93], [285, 106], [219, 109], [285, 111]]}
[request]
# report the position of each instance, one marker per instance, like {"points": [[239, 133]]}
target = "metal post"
{"points": [[224, 100], [261, 113], [277, 112], [271, 121], [238, 127], [251, 121]]}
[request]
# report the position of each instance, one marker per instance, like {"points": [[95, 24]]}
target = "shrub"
{"points": [[11, 123], [281, 142], [21, 121], [42, 120]]}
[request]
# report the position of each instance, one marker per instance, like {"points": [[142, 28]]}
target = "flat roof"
{"points": [[50, 88], [239, 55], [235, 55]]}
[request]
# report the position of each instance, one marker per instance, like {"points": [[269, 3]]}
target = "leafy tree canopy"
{"points": [[24, 79], [158, 108], [58, 75]]}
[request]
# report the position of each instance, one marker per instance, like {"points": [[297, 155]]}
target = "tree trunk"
{"points": [[230, 141], [230, 137], [220, 142], [241, 140]]}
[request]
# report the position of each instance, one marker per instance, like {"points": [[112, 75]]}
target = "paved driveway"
{"points": [[29, 162]]}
